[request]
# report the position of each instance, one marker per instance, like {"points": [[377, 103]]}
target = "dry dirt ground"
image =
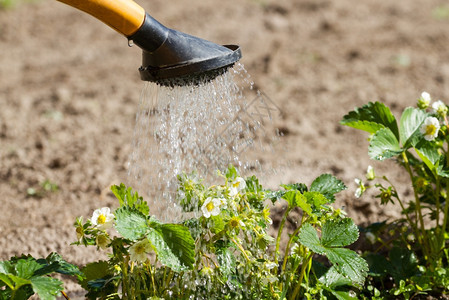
{"points": [[69, 91]]}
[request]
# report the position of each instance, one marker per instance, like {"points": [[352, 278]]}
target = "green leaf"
{"points": [[46, 288], [7, 280], [18, 281], [216, 224], [127, 197], [130, 223], [95, 271], [226, 260], [378, 265], [383, 145], [348, 263], [308, 237], [428, 154], [6, 267], [327, 185], [174, 246], [339, 233], [296, 199], [343, 295], [371, 118], [333, 279], [25, 268], [63, 266], [231, 173], [403, 263], [316, 199], [411, 121], [295, 186]]}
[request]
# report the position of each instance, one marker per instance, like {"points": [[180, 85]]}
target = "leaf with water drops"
{"points": [[130, 223], [327, 185], [339, 233], [332, 278], [383, 145], [174, 246], [371, 117], [348, 263], [308, 237], [46, 288]]}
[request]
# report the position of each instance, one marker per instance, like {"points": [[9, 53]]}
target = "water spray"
{"points": [[170, 57]]}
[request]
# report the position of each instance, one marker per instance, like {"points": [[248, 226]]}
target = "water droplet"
{"points": [[130, 43]]}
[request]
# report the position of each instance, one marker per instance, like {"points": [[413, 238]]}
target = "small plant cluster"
{"points": [[412, 256], [223, 253], [225, 250]]}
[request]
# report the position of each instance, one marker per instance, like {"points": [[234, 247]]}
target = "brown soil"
{"points": [[69, 90]]}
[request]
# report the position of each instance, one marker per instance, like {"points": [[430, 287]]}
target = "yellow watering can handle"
{"points": [[125, 16]]}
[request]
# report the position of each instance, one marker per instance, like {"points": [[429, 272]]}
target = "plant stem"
{"points": [[241, 249], [418, 209], [409, 220], [301, 276], [152, 280], [278, 239], [125, 276], [446, 211], [287, 249]]}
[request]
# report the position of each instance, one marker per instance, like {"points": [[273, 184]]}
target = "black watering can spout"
{"points": [[170, 57]]}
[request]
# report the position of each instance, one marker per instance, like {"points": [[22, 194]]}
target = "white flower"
{"points": [[211, 207], [426, 96], [102, 218], [361, 188], [237, 185], [370, 173], [102, 241], [370, 237], [439, 108], [138, 252], [424, 100], [430, 128]]}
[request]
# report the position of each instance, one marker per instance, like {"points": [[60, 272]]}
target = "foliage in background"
{"points": [[413, 254], [24, 276]]}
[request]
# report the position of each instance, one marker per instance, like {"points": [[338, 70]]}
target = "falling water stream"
{"points": [[198, 128]]}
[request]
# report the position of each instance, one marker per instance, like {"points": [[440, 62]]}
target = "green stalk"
{"points": [[301, 276], [125, 276], [278, 238], [446, 211], [287, 249], [437, 199], [409, 220], [418, 210], [241, 249]]}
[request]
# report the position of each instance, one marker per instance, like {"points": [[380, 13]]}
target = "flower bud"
{"points": [[424, 100]]}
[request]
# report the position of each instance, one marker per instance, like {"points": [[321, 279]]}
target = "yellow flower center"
{"points": [[101, 219], [140, 248], [234, 222], [431, 129], [210, 206]]}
